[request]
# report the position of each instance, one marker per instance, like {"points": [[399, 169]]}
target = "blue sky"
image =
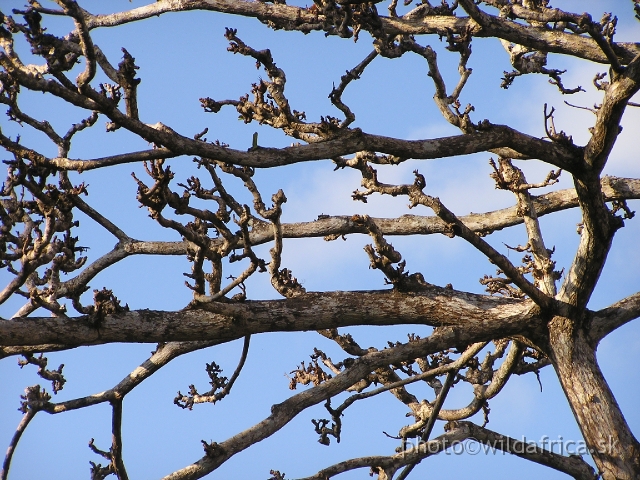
{"points": [[182, 57]]}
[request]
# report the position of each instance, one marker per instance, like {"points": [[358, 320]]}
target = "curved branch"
{"points": [[72, 9], [572, 465], [212, 396], [481, 394], [26, 418], [305, 20], [455, 365], [393, 462], [284, 412], [162, 356], [494, 137], [348, 142], [545, 39]]}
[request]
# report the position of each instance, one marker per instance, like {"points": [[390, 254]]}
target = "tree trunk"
{"points": [[615, 450]]}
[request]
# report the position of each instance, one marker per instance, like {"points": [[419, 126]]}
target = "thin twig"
{"points": [[26, 418], [432, 418], [116, 445]]}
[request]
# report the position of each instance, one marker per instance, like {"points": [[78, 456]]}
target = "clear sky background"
{"points": [[182, 57]]}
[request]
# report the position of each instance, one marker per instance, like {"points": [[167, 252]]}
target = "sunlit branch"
{"points": [[303, 19], [213, 396], [161, 357], [284, 412], [458, 363], [609, 319], [434, 306]]}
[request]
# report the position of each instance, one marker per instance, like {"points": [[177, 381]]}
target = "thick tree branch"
{"points": [[496, 136], [612, 188], [312, 311], [607, 128], [594, 406], [600, 224], [546, 40], [303, 19], [605, 321]]}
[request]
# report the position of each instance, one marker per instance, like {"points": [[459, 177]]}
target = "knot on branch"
{"points": [[509, 177], [105, 303], [158, 196], [286, 284], [382, 256], [212, 449], [34, 398], [55, 376], [313, 373], [217, 383], [127, 79], [383, 473]]}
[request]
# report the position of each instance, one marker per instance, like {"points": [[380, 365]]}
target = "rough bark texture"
{"points": [[614, 448]]}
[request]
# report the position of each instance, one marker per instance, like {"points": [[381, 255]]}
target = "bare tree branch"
{"points": [[608, 319], [221, 218], [217, 321], [26, 419]]}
